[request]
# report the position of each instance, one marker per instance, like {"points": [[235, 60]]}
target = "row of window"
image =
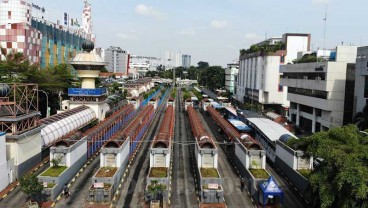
{"points": [[311, 75], [308, 92]]}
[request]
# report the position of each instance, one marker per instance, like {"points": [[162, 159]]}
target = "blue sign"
{"points": [[86, 92]]}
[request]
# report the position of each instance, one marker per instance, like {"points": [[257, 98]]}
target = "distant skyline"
{"points": [[211, 30]]}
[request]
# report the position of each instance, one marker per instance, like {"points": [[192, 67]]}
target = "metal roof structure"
{"points": [[216, 105], [209, 93], [62, 124], [272, 130], [239, 125], [231, 110], [272, 115]]}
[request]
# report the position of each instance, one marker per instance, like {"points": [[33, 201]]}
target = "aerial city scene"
{"points": [[197, 103]]}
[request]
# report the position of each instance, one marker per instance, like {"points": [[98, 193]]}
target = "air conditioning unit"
{"points": [[305, 77], [318, 78]]}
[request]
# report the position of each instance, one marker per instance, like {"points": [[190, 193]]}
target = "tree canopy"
{"points": [[341, 179], [16, 68], [31, 186]]}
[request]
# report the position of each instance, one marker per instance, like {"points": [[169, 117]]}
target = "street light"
{"points": [[47, 102]]}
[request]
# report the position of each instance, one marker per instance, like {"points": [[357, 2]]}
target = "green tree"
{"points": [[361, 119], [341, 180], [156, 189], [203, 65], [31, 186]]}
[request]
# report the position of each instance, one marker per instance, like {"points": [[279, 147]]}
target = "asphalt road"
{"points": [[183, 184], [291, 198], [233, 195], [79, 190]]}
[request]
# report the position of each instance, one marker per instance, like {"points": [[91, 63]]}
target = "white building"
{"points": [[258, 77], [320, 93], [142, 64], [176, 58], [117, 59], [361, 80], [231, 74]]}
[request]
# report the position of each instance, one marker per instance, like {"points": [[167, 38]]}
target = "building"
{"points": [[117, 60], [258, 77], [24, 29], [321, 93], [176, 58], [361, 80], [143, 64], [186, 59], [231, 75]]}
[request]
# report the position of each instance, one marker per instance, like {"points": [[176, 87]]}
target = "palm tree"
{"points": [[361, 119]]}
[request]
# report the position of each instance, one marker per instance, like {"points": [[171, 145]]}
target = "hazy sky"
{"points": [[214, 30]]}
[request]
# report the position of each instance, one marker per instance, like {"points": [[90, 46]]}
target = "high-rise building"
{"points": [[259, 70], [175, 58], [361, 79], [117, 60], [186, 59], [231, 75], [43, 42]]}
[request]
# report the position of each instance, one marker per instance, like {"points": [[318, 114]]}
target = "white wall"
{"points": [[76, 154], [294, 45], [287, 157], [124, 154], [24, 149], [4, 180]]}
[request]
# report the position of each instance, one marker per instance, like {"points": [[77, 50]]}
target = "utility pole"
{"points": [[325, 27], [174, 76]]}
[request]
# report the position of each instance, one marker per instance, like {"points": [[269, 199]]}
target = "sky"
{"points": [[214, 30]]}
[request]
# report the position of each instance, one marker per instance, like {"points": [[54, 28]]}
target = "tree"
{"points": [[341, 180], [31, 186], [202, 65], [156, 189], [361, 119]]}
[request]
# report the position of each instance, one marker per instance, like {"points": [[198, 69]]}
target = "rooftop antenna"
{"points": [[324, 32]]}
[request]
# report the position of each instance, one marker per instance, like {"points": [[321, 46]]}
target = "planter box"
{"points": [[212, 195], [101, 195]]}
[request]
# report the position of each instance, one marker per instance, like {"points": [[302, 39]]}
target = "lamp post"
{"points": [[47, 102]]}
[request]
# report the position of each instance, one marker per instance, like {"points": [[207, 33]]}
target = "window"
{"points": [[9, 14]]}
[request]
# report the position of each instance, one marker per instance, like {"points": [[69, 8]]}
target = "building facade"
{"points": [[361, 79], [231, 75], [117, 59], [321, 93], [259, 71], [43, 42], [186, 60], [175, 58]]}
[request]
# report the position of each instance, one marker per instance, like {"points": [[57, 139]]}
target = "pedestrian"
{"points": [[242, 184], [66, 191]]}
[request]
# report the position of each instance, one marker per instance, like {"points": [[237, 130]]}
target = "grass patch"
{"points": [[206, 187], [209, 173], [305, 172], [54, 172], [106, 172], [259, 173], [158, 172], [50, 185]]}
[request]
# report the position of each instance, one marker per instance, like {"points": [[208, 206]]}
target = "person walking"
{"points": [[242, 184], [66, 191]]}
